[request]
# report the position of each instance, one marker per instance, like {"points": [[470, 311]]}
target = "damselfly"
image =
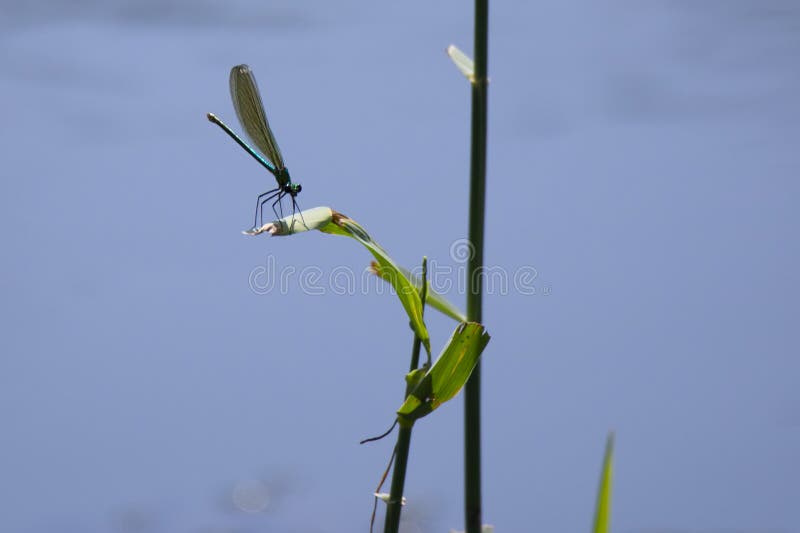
{"points": [[250, 110]]}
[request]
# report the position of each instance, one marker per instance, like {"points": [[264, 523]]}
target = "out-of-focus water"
{"points": [[643, 165]]}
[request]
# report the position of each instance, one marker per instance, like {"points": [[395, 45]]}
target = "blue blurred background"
{"points": [[643, 163]]}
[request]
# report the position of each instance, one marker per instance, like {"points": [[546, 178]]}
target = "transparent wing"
{"points": [[250, 110]]}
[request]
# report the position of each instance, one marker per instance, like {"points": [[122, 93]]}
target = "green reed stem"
{"points": [[394, 505], [477, 203]]}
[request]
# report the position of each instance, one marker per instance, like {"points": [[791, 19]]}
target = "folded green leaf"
{"points": [[602, 517], [447, 375]]}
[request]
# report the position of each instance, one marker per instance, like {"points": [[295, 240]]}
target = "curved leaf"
{"points": [[447, 375], [406, 291]]}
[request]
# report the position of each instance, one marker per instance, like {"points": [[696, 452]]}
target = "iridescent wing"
{"points": [[250, 110]]}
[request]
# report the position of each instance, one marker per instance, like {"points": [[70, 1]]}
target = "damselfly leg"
{"points": [[296, 209], [260, 204]]}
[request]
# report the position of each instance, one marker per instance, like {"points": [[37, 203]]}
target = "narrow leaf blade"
{"points": [[602, 517]]}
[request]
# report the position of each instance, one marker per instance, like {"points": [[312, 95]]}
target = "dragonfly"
{"points": [[250, 111]]}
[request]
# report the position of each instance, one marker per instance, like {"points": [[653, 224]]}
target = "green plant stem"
{"points": [[394, 505], [477, 202]]}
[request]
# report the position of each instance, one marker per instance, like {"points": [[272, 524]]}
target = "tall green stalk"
{"points": [[395, 505], [477, 202]]}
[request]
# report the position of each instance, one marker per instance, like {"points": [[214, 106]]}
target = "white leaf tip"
{"points": [[384, 496], [462, 62]]}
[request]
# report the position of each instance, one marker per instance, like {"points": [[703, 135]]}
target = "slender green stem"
{"points": [[477, 202], [394, 505]]}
